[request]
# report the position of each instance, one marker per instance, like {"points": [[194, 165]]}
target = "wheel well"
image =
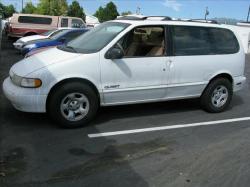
{"points": [[30, 33], [223, 75], [83, 81]]}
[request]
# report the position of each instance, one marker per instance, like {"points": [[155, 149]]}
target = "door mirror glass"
{"points": [[114, 53], [63, 40]]}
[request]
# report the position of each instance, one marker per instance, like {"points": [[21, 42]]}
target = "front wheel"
{"points": [[217, 96], [73, 104]]}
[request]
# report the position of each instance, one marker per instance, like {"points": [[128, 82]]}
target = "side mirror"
{"points": [[63, 40], [114, 53]]}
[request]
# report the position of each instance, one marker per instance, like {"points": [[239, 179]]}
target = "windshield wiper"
{"points": [[68, 48]]}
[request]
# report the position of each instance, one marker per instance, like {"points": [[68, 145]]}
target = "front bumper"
{"points": [[24, 99], [239, 83], [24, 51]]}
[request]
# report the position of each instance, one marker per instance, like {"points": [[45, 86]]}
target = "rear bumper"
{"points": [[14, 35], [239, 83], [24, 99]]}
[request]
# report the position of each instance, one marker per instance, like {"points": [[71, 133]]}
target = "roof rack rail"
{"points": [[162, 18], [203, 21], [131, 17], [140, 17]]}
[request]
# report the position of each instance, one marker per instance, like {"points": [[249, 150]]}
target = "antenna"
{"points": [[138, 10], [248, 13]]}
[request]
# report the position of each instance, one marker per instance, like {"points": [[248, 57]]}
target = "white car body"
{"points": [[20, 42], [128, 80], [244, 35]]}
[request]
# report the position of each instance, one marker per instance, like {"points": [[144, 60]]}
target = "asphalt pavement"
{"points": [[36, 152]]}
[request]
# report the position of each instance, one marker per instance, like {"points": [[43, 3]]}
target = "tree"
{"points": [[1, 9], [29, 8], [52, 7], [75, 10], [100, 14], [44, 7], [8, 10], [126, 13], [59, 7], [109, 12]]}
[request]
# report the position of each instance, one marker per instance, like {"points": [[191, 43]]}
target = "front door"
{"points": [[141, 74]]}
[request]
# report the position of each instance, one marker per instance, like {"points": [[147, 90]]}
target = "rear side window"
{"points": [[189, 40], [35, 20], [225, 41], [64, 22]]}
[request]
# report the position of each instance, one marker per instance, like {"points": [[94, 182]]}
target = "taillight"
{"points": [[10, 27]]}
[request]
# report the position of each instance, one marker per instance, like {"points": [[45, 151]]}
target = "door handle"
{"points": [[169, 62]]}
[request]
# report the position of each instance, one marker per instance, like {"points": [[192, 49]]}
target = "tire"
{"points": [[217, 96], [73, 104]]}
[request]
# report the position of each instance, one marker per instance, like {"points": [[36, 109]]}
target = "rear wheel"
{"points": [[73, 104], [217, 96]]}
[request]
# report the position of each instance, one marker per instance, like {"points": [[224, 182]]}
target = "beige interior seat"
{"points": [[156, 40], [132, 48]]}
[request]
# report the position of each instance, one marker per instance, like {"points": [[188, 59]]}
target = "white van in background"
{"points": [[91, 21]]}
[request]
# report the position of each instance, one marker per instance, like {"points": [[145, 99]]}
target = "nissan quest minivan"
{"points": [[126, 61]]}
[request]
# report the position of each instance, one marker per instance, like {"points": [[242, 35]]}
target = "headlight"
{"points": [[24, 81], [31, 83], [30, 46]]}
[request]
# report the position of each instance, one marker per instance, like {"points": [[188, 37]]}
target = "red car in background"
{"points": [[20, 25]]}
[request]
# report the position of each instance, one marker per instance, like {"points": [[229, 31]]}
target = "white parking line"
{"points": [[167, 127]]}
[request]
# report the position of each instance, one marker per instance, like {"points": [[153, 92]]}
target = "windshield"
{"points": [[97, 38], [56, 32], [59, 34], [48, 33]]}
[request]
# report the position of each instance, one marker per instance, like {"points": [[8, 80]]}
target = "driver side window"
{"points": [[144, 41]]}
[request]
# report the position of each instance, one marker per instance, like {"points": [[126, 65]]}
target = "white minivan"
{"points": [[126, 61]]}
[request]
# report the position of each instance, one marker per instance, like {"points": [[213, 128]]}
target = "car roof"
{"points": [[75, 29], [200, 23]]}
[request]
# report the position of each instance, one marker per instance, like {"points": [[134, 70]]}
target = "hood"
{"points": [[30, 38], [39, 41], [41, 60]]}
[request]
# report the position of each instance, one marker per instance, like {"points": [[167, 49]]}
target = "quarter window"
{"points": [[35, 20], [225, 41], [77, 23]]}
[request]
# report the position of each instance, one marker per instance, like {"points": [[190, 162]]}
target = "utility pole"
{"points": [[248, 13], [22, 5], [138, 11], [206, 13]]}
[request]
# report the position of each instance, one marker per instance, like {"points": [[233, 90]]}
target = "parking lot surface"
{"points": [[36, 152]]}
